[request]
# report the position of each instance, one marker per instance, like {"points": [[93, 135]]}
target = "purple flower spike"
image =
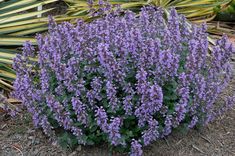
{"points": [[80, 110], [136, 148], [114, 131], [101, 118]]}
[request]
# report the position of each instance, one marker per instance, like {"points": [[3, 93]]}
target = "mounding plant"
{"points": [[125, 80]]}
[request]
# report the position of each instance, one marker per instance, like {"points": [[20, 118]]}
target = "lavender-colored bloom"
{"points": [[90, 3], [151, 103], [29, 50], [36, 119], [109, 63], [60, 90], [46, 126], [44, 80], [229, 103], [114, 131], [8, 107], [201, 86], [80, 110], [151, 134], [60, 114], [181, 107], [173, 26], [168, 125], [128, 105], [156, 97], [102, 119], [185, 33], [136, 148], [193, 122], [96, 85], [111, 95], [94, 94], [169, 63], [78, 133], [141, 77]]}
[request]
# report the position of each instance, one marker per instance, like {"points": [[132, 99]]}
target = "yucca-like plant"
{"points": [[19, 21], [195, 10], [228, 14], [224, 21]]}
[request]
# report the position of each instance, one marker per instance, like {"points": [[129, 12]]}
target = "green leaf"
{"points": [[67, 140], [93, 127]]}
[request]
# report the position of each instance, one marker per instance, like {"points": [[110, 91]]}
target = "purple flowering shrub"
{"points": [[126, 80]]}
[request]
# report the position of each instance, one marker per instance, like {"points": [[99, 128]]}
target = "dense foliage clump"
{"points": [[126, 80]]}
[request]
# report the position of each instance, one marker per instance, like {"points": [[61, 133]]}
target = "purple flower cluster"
{"points": [[151, 134], [8, 107], [136, 148], [151, 102], [114, 131], [124, 78], [102, 119], [80, 110]]}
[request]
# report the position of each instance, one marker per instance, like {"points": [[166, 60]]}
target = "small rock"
{"points": [[31, 137], [79, 148], [30, 131], [54, 143], [36, 141], [35, 151], [18, 136], [3, 126], [28, 144], [73, 154]]}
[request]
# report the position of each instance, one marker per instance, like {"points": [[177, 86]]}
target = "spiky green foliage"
{"points": [[17, 21], [195, 10]]}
